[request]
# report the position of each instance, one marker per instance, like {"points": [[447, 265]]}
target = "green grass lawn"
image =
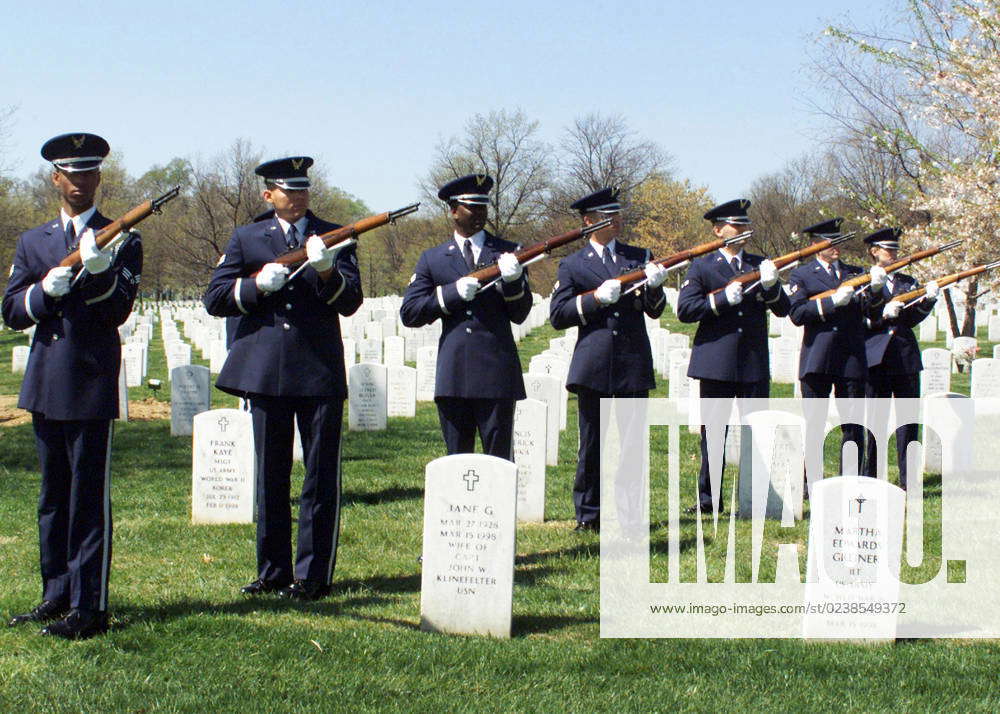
{"points": [[183, 638]]}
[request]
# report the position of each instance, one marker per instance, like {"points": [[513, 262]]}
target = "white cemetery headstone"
{"points": [[773, 488], [19, 359], [366, 391], [190, 394], [223, 467], [467, 583], [217, 353], [985, 378], [395, 351], [370, 350], [135, 363], [350, 353], [529, 454], [122, 393], [928, 330], [426, 372], [854, 553], [402, 391], [547, 389]]}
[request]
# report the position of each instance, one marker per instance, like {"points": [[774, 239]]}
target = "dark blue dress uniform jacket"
{"points": [[891, 344], [287, 343], [477, 357], [72, 371], [612, 353], [731, 342], [834, 339]]}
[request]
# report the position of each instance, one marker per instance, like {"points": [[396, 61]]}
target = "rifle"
{"points": [[344, 236], [118, 227], [676, 261], [864, 280], [533, 253], [911, 297], [788, 260]]}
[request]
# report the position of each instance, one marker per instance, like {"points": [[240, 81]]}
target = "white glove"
{"points": [[608, 292], [655, 274], [320, 257], [510, 268], [844, 294], [931, 290], [892, 309], [878, 277], [56, 281], [94, 259], [768, 274], [734, 293], [272, 277], [467, 288]]}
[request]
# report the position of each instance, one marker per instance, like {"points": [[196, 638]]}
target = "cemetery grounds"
{"points": [[184, 639]]}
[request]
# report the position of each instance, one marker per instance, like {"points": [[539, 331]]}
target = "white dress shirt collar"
{"points": [[478, 239], [599, 249], [79, 221]]}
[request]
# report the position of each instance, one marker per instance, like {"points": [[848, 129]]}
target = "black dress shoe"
{"points": [[78, 625], [45, 611], [261, 586], [305, 590], [695, 510], [588, 526]]}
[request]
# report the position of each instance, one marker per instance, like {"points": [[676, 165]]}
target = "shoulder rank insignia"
{"points": [[222, 259], [554, 287], [685, 283], [795, 287], [412, 278]]}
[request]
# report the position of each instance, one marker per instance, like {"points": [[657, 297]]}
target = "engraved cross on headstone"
{"points": [[471, 479], [223, 423], [860, 501]]}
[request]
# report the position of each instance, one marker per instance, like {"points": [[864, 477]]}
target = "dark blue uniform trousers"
{"points": [[717, 389], [74, 510], [320, 421], [883, 385], [819, 386], [493, 418], [587, 485]]}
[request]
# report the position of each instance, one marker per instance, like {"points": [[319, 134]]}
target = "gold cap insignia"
{"points": [[297, 163], [78, 141], [480, 179]]}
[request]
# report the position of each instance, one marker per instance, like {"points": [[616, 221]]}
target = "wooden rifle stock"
{"points": [[297, 256], [538, 250], [789, 258], [111, 231], [859, 280], [676, 259], [947, 280]]}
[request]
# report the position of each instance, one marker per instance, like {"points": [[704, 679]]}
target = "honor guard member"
{"points": [[478, 375], [287, 360], [612, 357], [891, 348], [71, 383], [730, 356], [832, 357]]}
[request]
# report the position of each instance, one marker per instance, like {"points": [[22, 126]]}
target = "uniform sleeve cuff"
{"points": [[245, 294], [711, 304], [330, 289], [819, 308], [105, 295], [579, 309]]}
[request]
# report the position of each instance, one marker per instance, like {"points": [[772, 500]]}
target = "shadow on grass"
{"points": [[385, 495]]}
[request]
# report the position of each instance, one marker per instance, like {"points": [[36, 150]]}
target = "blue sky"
{"points": [[370, 90]]}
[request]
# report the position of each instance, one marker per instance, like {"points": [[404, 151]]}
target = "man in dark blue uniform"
{"points": [[71, 384], [892, 351], [832, 357], [730, 356], [612, 357], [287, 360], [478, 375]]}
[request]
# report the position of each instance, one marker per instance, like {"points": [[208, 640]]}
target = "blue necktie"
{"points": [[609, 264], [70, 237], [291, 238]]}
